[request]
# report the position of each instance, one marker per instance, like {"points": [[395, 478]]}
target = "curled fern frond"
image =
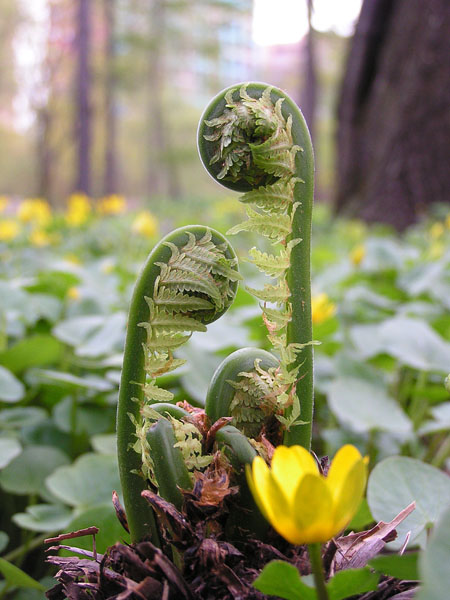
{"points": [[189, 280]]}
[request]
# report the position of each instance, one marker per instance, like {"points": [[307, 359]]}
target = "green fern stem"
{"points": [[188, 281], [252, 138]]}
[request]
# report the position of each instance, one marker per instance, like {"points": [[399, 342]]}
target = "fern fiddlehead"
{"points": [[253, 139], [188, 281]]}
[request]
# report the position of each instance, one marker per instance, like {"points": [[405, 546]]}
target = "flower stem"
{"points": [[315, 556]]}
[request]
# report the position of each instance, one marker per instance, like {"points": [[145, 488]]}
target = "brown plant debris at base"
{"points": [[196, 563]]}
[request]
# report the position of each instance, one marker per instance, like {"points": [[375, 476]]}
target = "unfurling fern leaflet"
{"points": [[254, 139], [188, 281]]}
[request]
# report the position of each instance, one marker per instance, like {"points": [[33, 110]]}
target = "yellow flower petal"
{"points": [[289, 465], [352, 490], [342, 463], [313, 506], [269, 493]]}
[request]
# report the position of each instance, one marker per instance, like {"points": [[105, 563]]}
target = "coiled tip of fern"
{"points": [[215, 114]]}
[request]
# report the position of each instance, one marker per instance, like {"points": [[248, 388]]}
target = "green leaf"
{"points": [[44, 517], [105, 443], [22, 416], [11, 389], [398, 481], [9, 449], [26, 473], [86, 418], [434, 562], [362, 518], [108, 339], [401, 566], [282, 579], [76, 330], [57, 281], [441, 419], [67, 380], [4, 540], [365, 405], [34, 351], [412, 341], [351, 582], [17, 577], [104, 517], [88, 482]]}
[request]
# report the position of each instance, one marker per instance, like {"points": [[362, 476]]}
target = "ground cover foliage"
{"points": [[381, 312]]}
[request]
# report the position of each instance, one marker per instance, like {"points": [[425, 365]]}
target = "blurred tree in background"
{"points": [[394, 119], [112, 98]]}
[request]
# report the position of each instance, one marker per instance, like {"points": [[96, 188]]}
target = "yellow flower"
{"points": [[112, 205], [322, 308], [4, 201], [40, 238], [436, 231], [73, 293], [72, 258], [145, 224], [447, 221], [300, 503], [34, 210], [357, 254], [78, 209], [9, 229]]}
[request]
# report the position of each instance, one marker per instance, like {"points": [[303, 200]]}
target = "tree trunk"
{"points": [[308, 93], [83, 109], [163, 173], [394, 122], [110, 168]]}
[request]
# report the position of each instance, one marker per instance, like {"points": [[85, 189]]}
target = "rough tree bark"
{"points": [[394, 121], [83, 109]]}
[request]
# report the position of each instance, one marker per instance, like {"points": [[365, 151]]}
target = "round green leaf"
{"points": [[104, 517], [26, 474], [9, 449], [37, 350], [88, 418], [398, 481], [434, 562], [44, 517], [11, 389], [105, 443], [364, 405], [67, 380], [89, 481], [22, 416]]}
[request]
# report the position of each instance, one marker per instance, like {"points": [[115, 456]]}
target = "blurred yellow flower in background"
{"points": [[4, 201], [9, 229], [436, 231], [447, 221], [40, 238], [357, 254], [112, 205], [322, 308], [34, 210], [73, 293], [72, 258], [78, 209], [145, 224], [300, 503]]}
